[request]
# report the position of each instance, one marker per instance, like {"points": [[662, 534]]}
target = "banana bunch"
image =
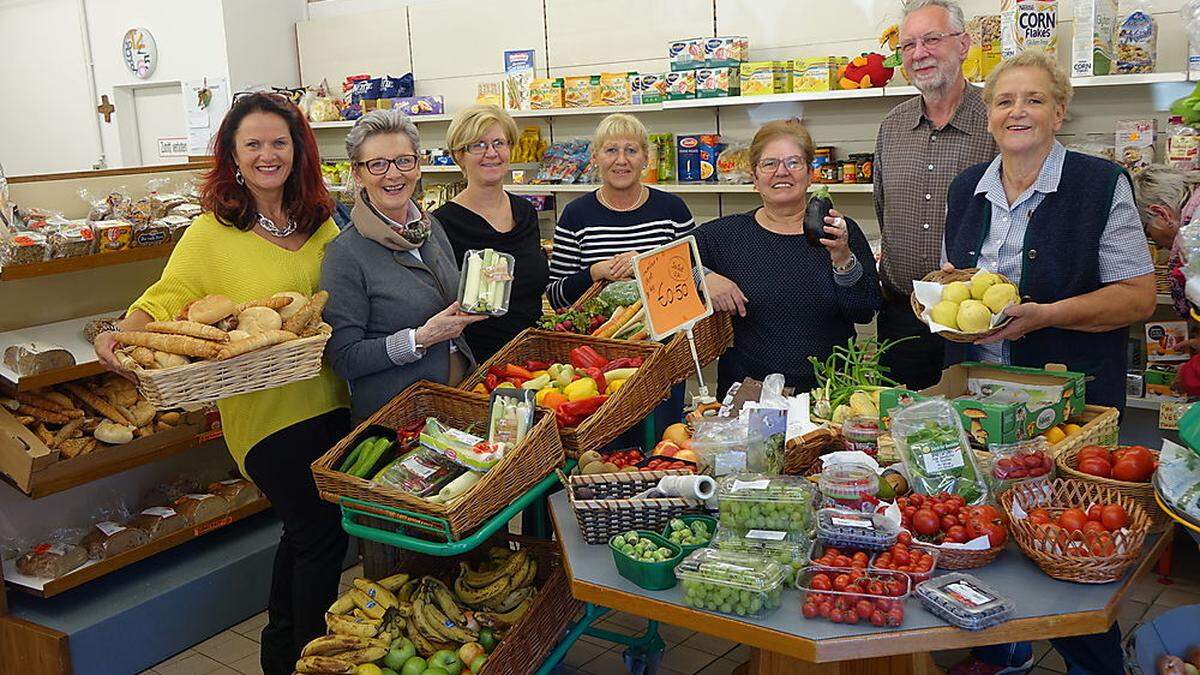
{"points": [[437, 619], [362, 623], [340, 654], [482, 589]]}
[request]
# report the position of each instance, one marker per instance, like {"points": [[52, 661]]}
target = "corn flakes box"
{"points": [[1028, 24]]}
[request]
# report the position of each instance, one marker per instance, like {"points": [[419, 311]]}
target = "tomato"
{"points": [[940, 509], [825, 609], [1072, 519], [996, 535], [1094, 451], [820, 582], [1113, 517], [809, 610], [927, 522], [1095, 466], [1093, 512], [840, 582], [957, 534], [904, 538], [1032, 460], [1039, 516], [987, 512], [1093, 527], [877, 619], [949, 521], [1101, 545]]}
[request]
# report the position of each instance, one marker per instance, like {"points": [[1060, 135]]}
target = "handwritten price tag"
{"points": [[667, 281]]}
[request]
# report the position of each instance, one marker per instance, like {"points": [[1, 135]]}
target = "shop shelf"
{"points": [[678, 188], [346, 124], [68, 335], [1139, 78], [835, 95], [86, 262], [95, 569], [595, 110]]}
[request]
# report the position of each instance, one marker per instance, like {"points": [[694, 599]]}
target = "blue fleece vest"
{"points": [[1060, 260]]}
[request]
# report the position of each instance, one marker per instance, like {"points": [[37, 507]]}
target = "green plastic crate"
{"points": [[707, 520], [652, 576]]}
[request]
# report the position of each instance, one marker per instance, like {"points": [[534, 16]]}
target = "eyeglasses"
{"points": [[481, 147], [792, 164], [380, 165], [930, 40]]}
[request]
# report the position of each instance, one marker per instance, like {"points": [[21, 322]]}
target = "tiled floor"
{"points": [[236, 650]]}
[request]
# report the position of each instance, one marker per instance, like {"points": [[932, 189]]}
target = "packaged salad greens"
{"points": [[936, 453]]}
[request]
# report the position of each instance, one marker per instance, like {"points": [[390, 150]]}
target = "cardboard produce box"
{"points": [[1025, 401]]}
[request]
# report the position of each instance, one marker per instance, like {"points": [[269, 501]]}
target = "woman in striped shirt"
{"points": [[598, 234]]}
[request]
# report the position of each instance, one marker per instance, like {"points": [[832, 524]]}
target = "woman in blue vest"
{"points": [[1065, 228]]}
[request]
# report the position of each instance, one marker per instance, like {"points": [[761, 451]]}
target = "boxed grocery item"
{"points": [[518, 76], [766, 77], [414, 106], [112, 235], [984, 53], [546, 93], [152, 233], [1164, 340], [1028, 24], [1137, 44], [697, 157], [1159, 379], [999, 404], [577, 91], [681, 85], [1193, 68], [1135, 143], [716, 82], [662, 149], [22, 248], [614, 89], [176, 225], [1092, 46], [726, 52], [816, 74], [686, 54], [490, 93], [72, 239]]}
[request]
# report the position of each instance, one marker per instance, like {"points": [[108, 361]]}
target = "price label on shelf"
{"points": [[672, 287]]}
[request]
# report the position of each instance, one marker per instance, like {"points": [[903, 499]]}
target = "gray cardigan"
{"points": [[375, 292]]}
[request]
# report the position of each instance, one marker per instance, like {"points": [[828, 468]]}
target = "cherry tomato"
{"points": [[836, 616], [809, 610], [949, 521], [877, 618], [820, 582], [840, 582], [825, 609], [904, 537], [940, 509]]}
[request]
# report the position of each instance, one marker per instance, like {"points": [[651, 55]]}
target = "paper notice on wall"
{"points": [[205, 102]]}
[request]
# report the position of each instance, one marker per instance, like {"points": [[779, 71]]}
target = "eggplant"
{"points": [[814, 219]]}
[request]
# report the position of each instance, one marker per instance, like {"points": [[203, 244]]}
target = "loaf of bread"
{"points": [[159, 521], [107, 539], [51, 561], [237, 491], [33, 358], [200, 508]]}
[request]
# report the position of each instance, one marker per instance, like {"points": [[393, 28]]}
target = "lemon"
{"points": [[1054, 435], [1069, 429], [945, 313], [973, 317], [981, 282], [368, 669], [956, 291], [999, 296]]}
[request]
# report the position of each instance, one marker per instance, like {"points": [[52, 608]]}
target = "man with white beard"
{"points": [[922, 145]]}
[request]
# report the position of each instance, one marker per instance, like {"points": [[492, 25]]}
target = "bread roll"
{"points": [[211, 309], [298, 301], [238, 335], [112, 433], [259, 320], [169, 360]]}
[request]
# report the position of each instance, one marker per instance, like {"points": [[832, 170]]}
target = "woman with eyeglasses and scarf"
{"points": [[483, 215], [393, 272]]}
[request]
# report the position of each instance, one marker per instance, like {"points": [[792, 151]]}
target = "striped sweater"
{"points": [[589, 232]]}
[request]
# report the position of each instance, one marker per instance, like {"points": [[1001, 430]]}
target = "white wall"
{"points": [[260, 42]]}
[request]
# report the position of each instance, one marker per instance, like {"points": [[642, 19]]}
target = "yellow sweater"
{"points": [[214, 258]]}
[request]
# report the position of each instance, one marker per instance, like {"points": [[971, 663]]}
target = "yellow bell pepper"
{"points": [[614, 386], [539, 373], [541, 395], [479, 389], [584, 387]]}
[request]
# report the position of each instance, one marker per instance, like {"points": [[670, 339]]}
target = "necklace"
{"points": [[642, 194], [270, 226]]}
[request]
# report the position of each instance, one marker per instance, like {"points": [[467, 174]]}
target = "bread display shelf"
{"points": [[84, 262], [66, 334], [95, 569]]}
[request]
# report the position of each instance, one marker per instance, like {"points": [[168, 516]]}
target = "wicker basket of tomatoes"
{"points": [[1127, 469], [1077, 530], [946, 522]]}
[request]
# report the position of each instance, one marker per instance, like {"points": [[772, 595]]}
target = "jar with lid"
{"points": [[865, 166], [821, 163], [862, 434], [849, 171], [1183, 145]]}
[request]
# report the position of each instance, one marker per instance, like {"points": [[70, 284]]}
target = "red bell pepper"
{"points": [[515, 381], [624, 362], [491, 381], [572, 413], [586, 357], [598, 376], [499, 371], [513, 370], [533, 366]]}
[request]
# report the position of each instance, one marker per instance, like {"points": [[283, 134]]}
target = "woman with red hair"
{"points": [[264, 231]]}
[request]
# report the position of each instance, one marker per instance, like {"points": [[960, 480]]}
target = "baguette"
{"points": [[67, 431], [274, 302], [73, 447], [59, 398], [26, 420], [142, 356], [188, 328], [44, 435], [89, 446], [257, 341], [98, 404], [42, 415], [175, 344], [313, 308], [36, 400]]}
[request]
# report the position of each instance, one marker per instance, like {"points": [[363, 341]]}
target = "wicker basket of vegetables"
{"points": [[615, 311]]}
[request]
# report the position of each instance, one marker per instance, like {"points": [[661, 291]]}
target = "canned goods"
{"points": [[849, 172]]}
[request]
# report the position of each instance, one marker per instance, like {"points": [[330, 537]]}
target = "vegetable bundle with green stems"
{"points": [[854, 367]]}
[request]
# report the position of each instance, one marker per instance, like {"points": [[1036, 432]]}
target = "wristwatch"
{"points": [[846, 268]]}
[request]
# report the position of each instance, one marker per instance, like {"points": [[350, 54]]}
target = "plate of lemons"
{"points": [[964, 305]]}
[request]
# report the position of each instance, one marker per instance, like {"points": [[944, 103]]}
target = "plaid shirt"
{"points": [[914, 164]]}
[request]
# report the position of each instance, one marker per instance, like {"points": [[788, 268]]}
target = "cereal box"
{"points": [[1092, 47], [687, 54], [816, 74], [716, 82], [759, 78], [577, 91], [546, 93], [681, 85], [1137, 44], [518, 76], [1028, 24], [490, 93], [1135, 143], [984, 52], [614, 89], [726, 52], [1163, 340], [697, 157], [653, 87]]}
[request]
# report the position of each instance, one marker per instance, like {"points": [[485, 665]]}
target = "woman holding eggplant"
{"points": [[796, 278]]}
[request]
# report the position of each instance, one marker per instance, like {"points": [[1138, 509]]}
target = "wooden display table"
{"points": [[785, 642]]}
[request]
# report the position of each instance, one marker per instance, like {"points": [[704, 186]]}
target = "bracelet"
{"points": [[848, 267]]}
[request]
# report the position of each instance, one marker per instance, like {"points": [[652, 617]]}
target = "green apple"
{"points": [[401, 651], [478, 663], [415, 665], [469, 651], [389, 671], [488, 639], [447, 660], [435, 671]]}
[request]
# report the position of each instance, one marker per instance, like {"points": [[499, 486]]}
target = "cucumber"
{"points": [[352, 458], [369, 457]]}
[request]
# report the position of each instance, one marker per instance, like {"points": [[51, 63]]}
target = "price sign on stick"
{"points": [[672, 288]]}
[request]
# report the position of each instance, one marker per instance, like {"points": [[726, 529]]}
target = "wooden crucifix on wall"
{"points": [[105, 108]]}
